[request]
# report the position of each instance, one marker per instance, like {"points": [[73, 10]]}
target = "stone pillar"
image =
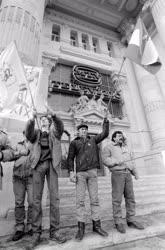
{"points": [[133, 111], [79, 37], [21, 20], [47, 65], [154, 106], [65, 35], [158, 12]]}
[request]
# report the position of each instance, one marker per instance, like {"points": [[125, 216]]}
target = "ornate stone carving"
{"points": [[154, 106], [11, 14], [85, 104], [26, 19], [19, 15]]}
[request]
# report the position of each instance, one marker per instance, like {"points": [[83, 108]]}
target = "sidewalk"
{"points": [[154, 226]]}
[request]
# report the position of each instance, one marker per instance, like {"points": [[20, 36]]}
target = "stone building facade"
{"points": [[60, 35]]}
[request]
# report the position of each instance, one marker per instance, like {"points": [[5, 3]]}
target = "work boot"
{"points": [[81, 231], [30, 232], [135, 224], [55, 236], [18, 235], [120, 228], [97, 228], [35, 240]]}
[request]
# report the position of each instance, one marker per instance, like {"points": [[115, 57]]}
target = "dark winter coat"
{"points": [[86, 152]]}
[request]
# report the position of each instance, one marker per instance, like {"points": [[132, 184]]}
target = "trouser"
{"points": [[39, 173], [21, 186], [87, 179], [122, 184]]}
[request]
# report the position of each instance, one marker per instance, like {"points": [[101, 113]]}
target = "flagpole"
{"points": [[27, 84], [118, 75]]}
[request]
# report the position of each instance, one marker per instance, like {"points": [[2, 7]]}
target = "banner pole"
{"points": [[27, 85], [118, 74]]}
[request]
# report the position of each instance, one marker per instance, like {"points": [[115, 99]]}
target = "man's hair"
{"points": [[47, 117], [118, 132]]}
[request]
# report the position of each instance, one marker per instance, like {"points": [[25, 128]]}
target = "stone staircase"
{"points": [[149, 195]]}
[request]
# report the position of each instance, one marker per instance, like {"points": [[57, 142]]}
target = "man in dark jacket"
{"points": [[46, 159], [84, 148]]}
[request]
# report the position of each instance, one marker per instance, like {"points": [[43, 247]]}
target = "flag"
{"points": [[37, 94], [12, 75], [18, 85], [142, 50]]}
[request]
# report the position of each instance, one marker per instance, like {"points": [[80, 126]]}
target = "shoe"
{"points": [[135, 224], [81, 231], [97, 228], [30, 232], [55, 236], [120, 228], [18, 235], [35, 240]]}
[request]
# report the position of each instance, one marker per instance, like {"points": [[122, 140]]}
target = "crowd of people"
{"points": [[38, 156]]}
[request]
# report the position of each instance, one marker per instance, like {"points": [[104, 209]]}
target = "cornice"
{"points": [[83, 26]]}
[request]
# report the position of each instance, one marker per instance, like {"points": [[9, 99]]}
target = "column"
{"points": [[65, 35], [158, 12], [22, 21], [134, 111], [79, 37], [42, 92], [154, 106], [103, 46]]}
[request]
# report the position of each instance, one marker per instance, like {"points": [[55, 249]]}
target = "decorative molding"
{"points": [[84, 104], [89, 55], [84, 26], [154, 106]]}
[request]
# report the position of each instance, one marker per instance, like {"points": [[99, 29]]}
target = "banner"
{"points": [[18, 85], [142, 50]]}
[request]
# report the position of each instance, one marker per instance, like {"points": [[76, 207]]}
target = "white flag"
{"points": [[12, 75], [18, 85]]}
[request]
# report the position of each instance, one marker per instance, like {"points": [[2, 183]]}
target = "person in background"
{"points": [[4, 144], [22, 185], [117, 157], [46, 158], [85, 150]]}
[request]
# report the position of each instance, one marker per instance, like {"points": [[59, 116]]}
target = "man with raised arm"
{"points": [[46, 159], [85, 150]]}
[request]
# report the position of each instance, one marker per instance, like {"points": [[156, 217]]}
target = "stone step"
{"points": [[106, 214], [154, 190], [107, 179]]}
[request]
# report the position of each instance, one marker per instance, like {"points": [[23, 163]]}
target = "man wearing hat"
{"points": [[46, 159], [85, 150], [117, 157]]}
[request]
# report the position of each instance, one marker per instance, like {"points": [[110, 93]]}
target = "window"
{"points": [[95, 44], [55, 33], [109, 47], [3, 14], [85, 43], [73, 38]]}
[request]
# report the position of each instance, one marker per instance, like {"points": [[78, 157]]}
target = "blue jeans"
{"points": [[41, 171], [21, 186], [122, 185], [87, 179]]}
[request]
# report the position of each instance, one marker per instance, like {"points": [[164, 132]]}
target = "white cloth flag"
{"points": [[18, 85]]}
